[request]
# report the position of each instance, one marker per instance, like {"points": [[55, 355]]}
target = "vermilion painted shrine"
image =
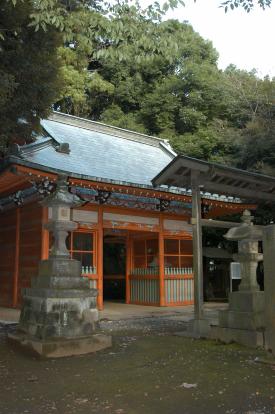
{"points": [[134, 239]]}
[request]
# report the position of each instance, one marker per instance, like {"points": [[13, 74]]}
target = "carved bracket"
{"points": [[44, 187], [163, 205], [102, 196], [17, 198]]}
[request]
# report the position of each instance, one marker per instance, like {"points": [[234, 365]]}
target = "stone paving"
{"points": [[119, 317], [116, 311]]}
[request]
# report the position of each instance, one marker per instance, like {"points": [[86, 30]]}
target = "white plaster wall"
{"points": [[82, 216], [177, 225], [131, 219]]}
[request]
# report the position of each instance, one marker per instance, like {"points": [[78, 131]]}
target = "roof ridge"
{"points": [[41, 142], [109, 129]]}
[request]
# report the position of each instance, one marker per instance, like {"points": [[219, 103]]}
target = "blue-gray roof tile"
{"points": [[97, 150]]}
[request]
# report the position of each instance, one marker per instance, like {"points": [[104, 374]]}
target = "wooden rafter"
{"points": [[20, 177], [218, 179]]}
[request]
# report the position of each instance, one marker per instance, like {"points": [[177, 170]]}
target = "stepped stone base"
{"points": [[243, 301], [60, 303], [46, 317], [61, 347], [248, 338], [243, 322], [246, 311]]}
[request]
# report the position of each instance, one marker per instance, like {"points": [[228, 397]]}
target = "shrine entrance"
{"points": [[133, 266], [114, 267], [130, 263]]}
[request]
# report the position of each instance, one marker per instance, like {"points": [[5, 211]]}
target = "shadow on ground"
{"points": [[143, 373]]}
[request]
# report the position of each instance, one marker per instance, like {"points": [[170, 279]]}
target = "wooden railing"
{"points": [[178, 284]]}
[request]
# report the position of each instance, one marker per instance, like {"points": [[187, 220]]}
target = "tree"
{"points": [[247, 5], [251, 106], [124, 66], [178, 94], [29, 80], [176, 89], [30, 35]]}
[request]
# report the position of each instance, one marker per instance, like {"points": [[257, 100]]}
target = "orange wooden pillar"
{"points": [[162, 301], [100, 258], [16, 257], [128, 268], [45, 238]]}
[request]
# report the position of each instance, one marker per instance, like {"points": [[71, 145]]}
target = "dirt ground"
{"points": [[143, 373]]}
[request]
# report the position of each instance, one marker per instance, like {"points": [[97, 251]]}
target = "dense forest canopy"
{"points": [[124, 66]]}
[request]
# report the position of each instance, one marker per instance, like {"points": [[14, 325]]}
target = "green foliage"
{"points": [[172, 92], [116, 117], [160, 85], [258, 150], [162, 88], [213, 142], [247, 5], [29, 80], [32, 64], [252, 113], [120, 64], [247, 95]]}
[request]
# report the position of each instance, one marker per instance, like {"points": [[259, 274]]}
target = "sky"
{"points": [[243, 39]]}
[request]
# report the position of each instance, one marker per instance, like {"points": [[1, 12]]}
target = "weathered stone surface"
{"points": [[244, 322], [59, 308], [59, 267], [54, 282], [245, 337], [248, 237], [62, 347], [247, 301], [246, 311], [58, 293], [241, 320], [45, 317]]}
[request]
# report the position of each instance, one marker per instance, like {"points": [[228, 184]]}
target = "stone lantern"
{"points": [[248, 255], [60, 269], [59, 314], [243, 322], [59, 204]]}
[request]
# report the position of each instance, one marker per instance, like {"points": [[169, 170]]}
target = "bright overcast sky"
{"points": [[244, 39]]}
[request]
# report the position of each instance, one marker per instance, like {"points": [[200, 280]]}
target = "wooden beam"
{"points": [[216, 223], [45, 239], [209, 186], [128, 267], [123, 189], [162, 300], [217, 187], [16, 258], [243, 176], [197, 247], [100, 258]]}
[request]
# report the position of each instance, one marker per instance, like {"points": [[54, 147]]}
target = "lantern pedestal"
{"points": [[59, 315], [62, 347], [243, 322]]}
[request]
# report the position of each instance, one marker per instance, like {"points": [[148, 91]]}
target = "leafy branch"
{"points": [[247, 5]]}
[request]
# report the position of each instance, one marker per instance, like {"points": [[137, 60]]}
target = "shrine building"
{"points": [[134, 239]]}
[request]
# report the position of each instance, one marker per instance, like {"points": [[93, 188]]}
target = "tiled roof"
{"points": [[97, 150]]}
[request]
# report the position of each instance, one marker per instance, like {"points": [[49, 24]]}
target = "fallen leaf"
{"points": [[33, 378], [186, 385]]}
